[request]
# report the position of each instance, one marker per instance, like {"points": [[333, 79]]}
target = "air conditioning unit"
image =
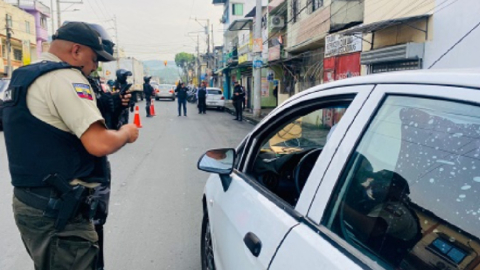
{"points": [[277, 22]]}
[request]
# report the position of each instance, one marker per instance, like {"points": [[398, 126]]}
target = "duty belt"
{"points": [[35, 197], [48, 200]]}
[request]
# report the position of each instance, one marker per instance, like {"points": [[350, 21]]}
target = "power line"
{"points": [[454, 45]]}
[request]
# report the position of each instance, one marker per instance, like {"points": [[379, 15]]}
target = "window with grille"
{"points": [[43, 22], [316, 4], [17, 54], [294, 11]]}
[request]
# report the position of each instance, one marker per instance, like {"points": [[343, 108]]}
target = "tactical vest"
{"points": [[36, 149], [202, 93]]}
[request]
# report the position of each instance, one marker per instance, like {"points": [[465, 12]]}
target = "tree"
{"points": [[185, 61]]}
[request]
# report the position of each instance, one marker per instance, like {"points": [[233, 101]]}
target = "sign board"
{"points": [[336, 45], [257, 63], [257, 45]]}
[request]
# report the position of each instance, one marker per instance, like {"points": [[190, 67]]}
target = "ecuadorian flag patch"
{"points": [[83, 90]]}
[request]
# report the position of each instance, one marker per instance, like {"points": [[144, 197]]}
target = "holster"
{"points": [[71, 201]]}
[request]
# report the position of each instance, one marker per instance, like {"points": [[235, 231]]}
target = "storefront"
{"points": [[342, 57], [408, 56]]}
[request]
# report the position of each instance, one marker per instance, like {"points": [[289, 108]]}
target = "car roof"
{"points": [[214, 88], [459, 77]]}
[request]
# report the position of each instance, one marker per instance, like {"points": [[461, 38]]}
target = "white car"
{"points": [[215, 98], [395, 185]]}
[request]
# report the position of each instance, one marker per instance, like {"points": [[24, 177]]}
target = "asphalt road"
{"points": [[155, 210]]}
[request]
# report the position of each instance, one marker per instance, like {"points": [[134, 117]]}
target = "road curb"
{"points": [[246, 118]]}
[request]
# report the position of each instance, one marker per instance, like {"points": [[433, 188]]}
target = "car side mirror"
{"points": [[218, 161]]}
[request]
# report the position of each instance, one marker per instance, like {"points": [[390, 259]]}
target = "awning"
{"points": [[376, 26], [240, 24], [218, 71], [218, 2], [253, 12]]}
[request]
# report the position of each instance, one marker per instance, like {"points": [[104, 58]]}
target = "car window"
{"points": [[214, 92], [165, 87], [409, 197], [288, 153], [3, 85]]}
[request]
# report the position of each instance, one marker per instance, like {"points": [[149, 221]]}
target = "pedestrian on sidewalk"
{"points": [[243, 96], [148, 92], [202, 98], [237, 101], [181, 91]]}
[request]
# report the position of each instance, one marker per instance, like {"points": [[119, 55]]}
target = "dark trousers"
{"points": [[202, 105], [147, 107], [182, 102], [76, 247], [100, 259], [238, 109]]}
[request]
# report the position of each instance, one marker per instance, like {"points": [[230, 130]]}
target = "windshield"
{"points": [[214, 92]]}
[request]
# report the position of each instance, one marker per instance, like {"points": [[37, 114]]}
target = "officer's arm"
{"points": [[100, 141]]}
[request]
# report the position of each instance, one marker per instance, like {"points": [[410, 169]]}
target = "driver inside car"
{"points": [[382, 217]]}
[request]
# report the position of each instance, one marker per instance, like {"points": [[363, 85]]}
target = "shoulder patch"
{"points": [[83, 90]]}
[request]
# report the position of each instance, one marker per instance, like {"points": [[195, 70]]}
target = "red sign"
{"points": [[341, 67]]}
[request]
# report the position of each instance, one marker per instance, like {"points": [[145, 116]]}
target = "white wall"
{"points": [[449, 25]]}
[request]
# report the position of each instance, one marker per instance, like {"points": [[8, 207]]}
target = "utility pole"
{"points": [[208, 36], [59, 12], [9, 47], [212, 66], [257, 71], [117, 45], [198, 60], [53, 21]]}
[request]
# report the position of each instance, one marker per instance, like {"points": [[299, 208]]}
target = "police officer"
{"points": [[56, 144], [122, 86], [237, 99], [148, 92], [111, 106], [202, 98]]}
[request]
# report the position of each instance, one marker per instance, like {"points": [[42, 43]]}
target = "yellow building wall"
{"points": [[376, 11]]}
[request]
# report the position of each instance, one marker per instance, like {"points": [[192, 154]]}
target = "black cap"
{"points": [[82, 33]]}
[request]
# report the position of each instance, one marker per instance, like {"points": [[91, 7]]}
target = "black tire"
{"points": [[208, 260], [157, 99], [222, 109]]}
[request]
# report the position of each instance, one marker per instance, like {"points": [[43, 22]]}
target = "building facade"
{"points": [[23, 37], [40, 12]]}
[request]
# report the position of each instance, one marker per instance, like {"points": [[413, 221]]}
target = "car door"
{"points": [[249, 210], [401, 191]]}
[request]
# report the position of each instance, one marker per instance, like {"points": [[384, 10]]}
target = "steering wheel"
{"points": [[304, 167]]}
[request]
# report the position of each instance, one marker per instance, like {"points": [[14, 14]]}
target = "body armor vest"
{"points": [[36, 149]]}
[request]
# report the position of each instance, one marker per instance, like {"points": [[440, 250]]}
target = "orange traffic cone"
{"points": [[152, 108], [136, 119]]}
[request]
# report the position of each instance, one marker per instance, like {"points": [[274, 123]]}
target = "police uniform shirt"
{"points": [[64, 99]]}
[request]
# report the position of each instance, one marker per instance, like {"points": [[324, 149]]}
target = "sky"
{"points": [[149, 29]]}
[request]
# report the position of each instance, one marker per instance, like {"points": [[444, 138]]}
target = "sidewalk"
{"points": [[247, 113]]}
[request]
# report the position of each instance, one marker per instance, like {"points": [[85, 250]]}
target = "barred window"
{"points": [[17, 54], [316, 4]]}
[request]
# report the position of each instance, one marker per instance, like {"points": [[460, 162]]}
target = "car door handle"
{"points": [[253, 243]]}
